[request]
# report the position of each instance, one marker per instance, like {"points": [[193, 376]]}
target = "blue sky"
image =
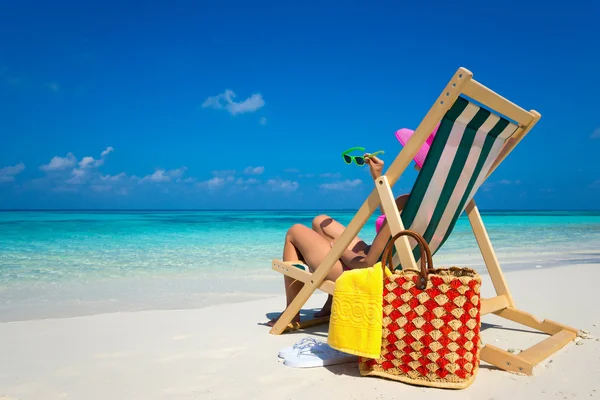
{"points": [[187, 104]]}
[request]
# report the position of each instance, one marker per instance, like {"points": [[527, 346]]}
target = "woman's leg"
{"points": [[331, 230], [302, 243]]}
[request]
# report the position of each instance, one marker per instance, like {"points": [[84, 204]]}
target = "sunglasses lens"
{"points": [[359, 160], [347, 158]]}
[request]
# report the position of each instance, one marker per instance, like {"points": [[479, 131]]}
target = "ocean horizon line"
{"points": [[257, 210]]}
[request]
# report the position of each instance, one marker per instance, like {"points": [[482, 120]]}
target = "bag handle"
{"points": [[426, 259]]}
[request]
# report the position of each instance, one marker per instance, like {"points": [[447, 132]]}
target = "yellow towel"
{"points": [[356, 313]]}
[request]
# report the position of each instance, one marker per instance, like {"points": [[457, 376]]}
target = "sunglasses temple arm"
{"points": [[374, 154]]}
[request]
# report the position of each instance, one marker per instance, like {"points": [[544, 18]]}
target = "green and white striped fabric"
{"points": [[466, 144]]}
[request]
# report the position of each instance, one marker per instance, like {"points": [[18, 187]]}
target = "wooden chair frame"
{"points": [[502, 304]]}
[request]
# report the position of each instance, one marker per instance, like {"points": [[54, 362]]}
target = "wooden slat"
{"points": [[539, 352], [493, 304], [435, 114], [513, 141], [288, 269], [489, 98], [487, 251], [505, 360], [392, 216], [294, 326], [524, 318]]}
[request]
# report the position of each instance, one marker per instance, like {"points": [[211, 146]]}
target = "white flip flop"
{"points": [[304, 343], [318, 355]]}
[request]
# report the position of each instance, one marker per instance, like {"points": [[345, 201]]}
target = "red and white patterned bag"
{"points": [[431, 324]]}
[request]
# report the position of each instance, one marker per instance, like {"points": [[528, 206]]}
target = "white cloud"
{"points": [[595, 134], [213, 183], [306, 175], [108, 150], [225, 101], [341, 185], [113, 178], [91, 162], [331, 175], [59, 163], [7, 174], [79, 176], [177, 173], [162, 175], [86, 162], [254, 170], [67, 174], [282, 185], [158, 176], [262, 120]]}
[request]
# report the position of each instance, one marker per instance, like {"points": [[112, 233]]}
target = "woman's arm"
{"points": [[376, 169], [384, 235], [355, 260]]}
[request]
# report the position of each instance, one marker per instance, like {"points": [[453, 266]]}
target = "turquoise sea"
{"points": [[63, 263]]}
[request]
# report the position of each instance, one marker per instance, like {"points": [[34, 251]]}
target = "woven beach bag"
{"points": [[431, 323]]}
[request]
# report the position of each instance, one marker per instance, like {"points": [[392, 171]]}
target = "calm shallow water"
{"points": [[89, 258]]}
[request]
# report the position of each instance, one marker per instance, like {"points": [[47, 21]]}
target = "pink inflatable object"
{"points": [[403, 135], [379, 223]]}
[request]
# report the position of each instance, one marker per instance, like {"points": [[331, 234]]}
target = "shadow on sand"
{"points": [[305, 314], [351, 368]]}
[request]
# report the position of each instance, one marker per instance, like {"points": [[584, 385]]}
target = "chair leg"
{"points": [[317, 278], [310, 285], [287, 268], [526, 360], [294, 308], [503, 305], [505, 360]]}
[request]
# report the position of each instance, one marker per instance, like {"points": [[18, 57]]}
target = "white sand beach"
{"points": [[225, 352]]}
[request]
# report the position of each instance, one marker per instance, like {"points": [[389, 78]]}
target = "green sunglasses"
{"points": [[358, 160]]}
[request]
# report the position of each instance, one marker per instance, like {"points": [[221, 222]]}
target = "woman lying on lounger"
{"points": [[312, 245]]}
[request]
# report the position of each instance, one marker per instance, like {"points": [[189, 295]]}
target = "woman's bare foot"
{"points": [[326, 309]]}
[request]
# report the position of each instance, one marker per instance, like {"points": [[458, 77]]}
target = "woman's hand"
{"points": [[375, 166]]}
